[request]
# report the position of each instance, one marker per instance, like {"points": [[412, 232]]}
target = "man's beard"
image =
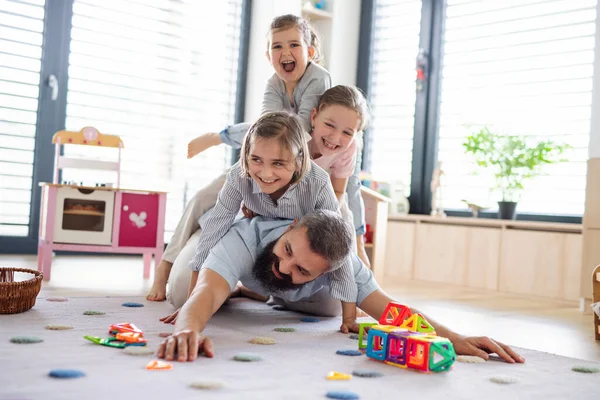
{"points": [[264, 275]]}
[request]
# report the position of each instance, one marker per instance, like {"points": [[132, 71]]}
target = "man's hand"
{"points": [[349, 325], [482, 346], [170, 319], [185, 345]]}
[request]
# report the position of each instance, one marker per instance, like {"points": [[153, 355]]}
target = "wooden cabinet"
{"points": [[440, 253], [543, 264], [483, 255], [399, 255], [539, 259]]}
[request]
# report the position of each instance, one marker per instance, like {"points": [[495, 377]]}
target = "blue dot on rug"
{"points": [[310, 319], [349, 353], [66, 373], [25, 339], [341, 394], [364, 373], [132, 304]]}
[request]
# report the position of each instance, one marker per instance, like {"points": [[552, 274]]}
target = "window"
{"points": [[21, 35], [391, 89], [157, 73], [524, 67]]}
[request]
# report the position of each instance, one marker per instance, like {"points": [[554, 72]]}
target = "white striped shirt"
{"points": [[312, 192]]}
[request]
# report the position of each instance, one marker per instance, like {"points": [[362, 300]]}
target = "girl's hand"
{"points": [[185, 345], [170, 319], [349, 325], [248, 213]]}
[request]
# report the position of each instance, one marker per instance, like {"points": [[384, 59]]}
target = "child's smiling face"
{"points": [[270, 165], [289, 54], [334, 129]]}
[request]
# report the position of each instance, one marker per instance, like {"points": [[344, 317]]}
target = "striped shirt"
{"points": [[312, 192]]}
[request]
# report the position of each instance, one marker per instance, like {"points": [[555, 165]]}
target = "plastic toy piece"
{"points": [[158, 365], [394, 314], [418, 323], [338, 376], [125, 327], [413, 345], [110, 342], [130, 337], [362, 333]]}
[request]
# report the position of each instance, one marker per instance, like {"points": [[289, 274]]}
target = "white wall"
{"points": [[344, 49], [594, 149], [342, 61]]}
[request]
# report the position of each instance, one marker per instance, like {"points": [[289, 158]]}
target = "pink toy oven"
{"points": [[98, 219]]}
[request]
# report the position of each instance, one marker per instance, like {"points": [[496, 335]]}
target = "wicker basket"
{"points": [[17, 297]]}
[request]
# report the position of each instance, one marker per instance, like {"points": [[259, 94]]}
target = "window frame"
{"points": [[52, 114], [427, 106]]}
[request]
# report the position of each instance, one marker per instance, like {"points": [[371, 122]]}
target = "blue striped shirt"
{"points": [[312, 192]]}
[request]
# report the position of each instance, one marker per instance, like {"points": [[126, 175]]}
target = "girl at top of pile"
{"points": [[276, 178], [298, 81], [296, 86]]}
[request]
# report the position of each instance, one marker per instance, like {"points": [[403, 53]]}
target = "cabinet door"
{"points": [[440, 254], [483, 256], [540, 264], [400, 251], [139, 220]]}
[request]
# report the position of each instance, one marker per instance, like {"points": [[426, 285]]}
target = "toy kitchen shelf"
{"points": [[98, 219]]}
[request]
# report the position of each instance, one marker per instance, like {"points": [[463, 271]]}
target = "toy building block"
{"points": [[338, 376], [596, 299], [124, 327], [377, 344], [131, 338], [418, 323], [394, 314], [110, 342], [441, 355], [413, 345], [158, 365], [362, 333]]}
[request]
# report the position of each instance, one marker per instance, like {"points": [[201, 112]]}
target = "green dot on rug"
{"points": [[25, 339], [284, 329], [91, 312], [53, 327], [586, 369], [247, 357]]}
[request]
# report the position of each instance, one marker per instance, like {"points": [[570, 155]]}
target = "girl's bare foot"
{"points": [[203, 142], [158, 292]]}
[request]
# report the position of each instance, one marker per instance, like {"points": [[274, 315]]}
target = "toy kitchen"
{"points": [[97, 217]]}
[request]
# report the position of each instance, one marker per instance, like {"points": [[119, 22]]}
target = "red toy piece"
{"points": [[394, 314]]}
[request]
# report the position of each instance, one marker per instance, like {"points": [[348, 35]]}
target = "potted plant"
{"points": [[512, 160]]}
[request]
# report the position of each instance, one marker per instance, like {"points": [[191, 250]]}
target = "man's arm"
{"points": [[208, 296], [481, 346]]}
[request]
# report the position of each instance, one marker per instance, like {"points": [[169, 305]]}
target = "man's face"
{"points": [[288, 263]]}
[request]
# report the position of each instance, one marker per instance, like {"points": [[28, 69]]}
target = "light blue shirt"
{"points": [[234, 255]]}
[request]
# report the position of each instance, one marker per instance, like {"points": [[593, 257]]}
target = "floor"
{"points": [[538, 324]]}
